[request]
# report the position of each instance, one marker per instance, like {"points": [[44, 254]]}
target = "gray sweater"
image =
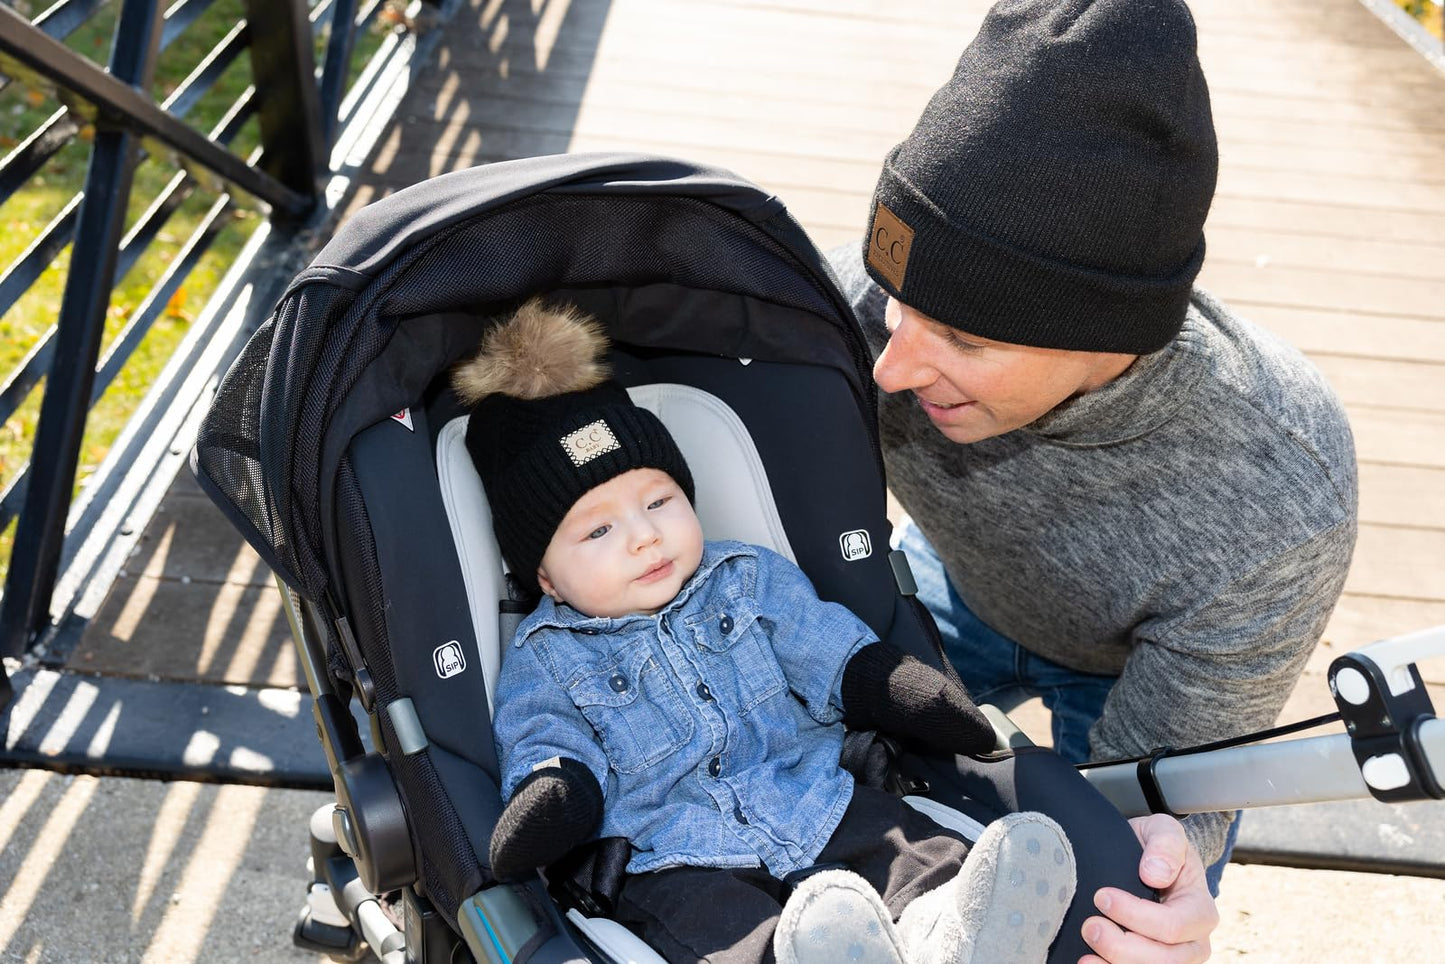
{"points": [[1187, 527]]}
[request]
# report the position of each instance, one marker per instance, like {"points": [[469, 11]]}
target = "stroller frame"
{"points": [[362, 846], [1393, 749]]}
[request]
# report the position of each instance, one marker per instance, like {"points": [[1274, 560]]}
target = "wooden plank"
{"points": [[1360, 620], [803, 49], [840, 205], [1399, 562], [638, 111], [849, 101], [1295, 134], [1300, 14], [1398, 437], [1327, 217], [1351, 158], [1373, 381], [1402, 495], [1235, 76], [866, 14], [1367, 336], [651, 17], [675, 43], [1311, 53], [869, 11], [1297, 69], [1339, 113], [1282, 247], [226, 633], [642, 129], [1250, 30], [1273, 284], [188, 539], [1277, 185]]}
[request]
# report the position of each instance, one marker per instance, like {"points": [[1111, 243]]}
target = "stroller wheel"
{"points": [[337, 941]]}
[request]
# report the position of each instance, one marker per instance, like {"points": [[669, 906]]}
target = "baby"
{"points": [[691, 696]]}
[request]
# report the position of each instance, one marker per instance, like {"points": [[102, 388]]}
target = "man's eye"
{"points": [[598, 532], [953, 338], [659, 503]]}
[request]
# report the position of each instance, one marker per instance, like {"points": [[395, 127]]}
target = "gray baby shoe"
{"points": [[836, 917], [1006, 904]]}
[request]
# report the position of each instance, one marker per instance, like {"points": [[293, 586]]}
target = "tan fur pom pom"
{"points": [[540, 351]]}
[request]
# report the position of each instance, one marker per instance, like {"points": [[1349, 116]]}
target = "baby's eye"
{"points": [[659, 503], [598, 532]]}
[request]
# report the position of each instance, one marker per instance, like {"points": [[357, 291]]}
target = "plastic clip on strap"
{"points": [[902, 573], [1149, 781], [512, 610], [365, 689]]}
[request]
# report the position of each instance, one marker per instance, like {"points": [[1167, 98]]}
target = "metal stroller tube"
{"points": [[1312, 770], [1393, 750]]}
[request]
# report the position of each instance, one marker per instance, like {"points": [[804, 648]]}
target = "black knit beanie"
{"points": [[1055, 189], [547, 427]]}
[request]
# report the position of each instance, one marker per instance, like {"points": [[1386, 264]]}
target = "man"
{"points": [[1124, 499]]}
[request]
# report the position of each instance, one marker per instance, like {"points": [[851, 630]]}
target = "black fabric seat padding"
{"points": [[452, 783], [821, 468]]}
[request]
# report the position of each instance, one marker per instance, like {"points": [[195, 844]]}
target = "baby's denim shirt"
{"points": [[713, 726]]}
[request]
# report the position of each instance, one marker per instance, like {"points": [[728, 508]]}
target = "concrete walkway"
{"points": [[1329, 227]]}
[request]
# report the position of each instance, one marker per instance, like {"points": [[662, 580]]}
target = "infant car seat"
{"points": [[335, 446]]}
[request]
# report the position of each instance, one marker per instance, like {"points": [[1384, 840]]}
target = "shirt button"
{"points": [[703, 691], [618, 683], [715, 767], [725, 624], [738, 815]]}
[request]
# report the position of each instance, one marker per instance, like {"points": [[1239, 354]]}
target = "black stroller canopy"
{"points": [[685, 258]]}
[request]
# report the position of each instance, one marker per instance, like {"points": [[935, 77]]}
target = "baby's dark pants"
{"points": [[691, 914]]}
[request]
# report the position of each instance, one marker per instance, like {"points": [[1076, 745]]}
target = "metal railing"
{"points": [[294, 108]]}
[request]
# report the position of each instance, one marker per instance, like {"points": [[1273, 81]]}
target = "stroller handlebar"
{"points": [[1393, 748]]}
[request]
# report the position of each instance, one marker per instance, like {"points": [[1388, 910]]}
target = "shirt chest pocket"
{"points": [[635, 709], [738, 655]]}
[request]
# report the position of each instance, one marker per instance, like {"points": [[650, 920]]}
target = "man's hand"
{"points": [[1173, 931]]}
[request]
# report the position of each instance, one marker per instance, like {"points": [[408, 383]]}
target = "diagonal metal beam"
{"points": [[29, 54]]}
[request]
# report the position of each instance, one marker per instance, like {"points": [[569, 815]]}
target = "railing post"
{"points": [[338, 59], [292, 129], [40, 533]]}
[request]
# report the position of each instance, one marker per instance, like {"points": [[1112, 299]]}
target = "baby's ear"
{"points": [[546, 584]]}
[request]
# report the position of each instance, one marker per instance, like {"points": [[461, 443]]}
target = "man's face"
{"points": [[973, 388], [627, 546]]}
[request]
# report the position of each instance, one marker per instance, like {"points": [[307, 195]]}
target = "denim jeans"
{"points": [[999, 671]]}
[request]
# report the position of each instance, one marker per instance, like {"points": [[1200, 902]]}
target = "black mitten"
{"points": [[887, 690], [553, 810]]}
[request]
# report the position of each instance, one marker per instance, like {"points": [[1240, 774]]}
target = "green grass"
{"points": [[24, 217], [1430, 14]]}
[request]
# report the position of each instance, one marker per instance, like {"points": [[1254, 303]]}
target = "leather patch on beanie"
{"points": [[588, 442], [889, 244]]}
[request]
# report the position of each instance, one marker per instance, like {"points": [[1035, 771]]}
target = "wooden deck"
{"points": [[1328, 227]]}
